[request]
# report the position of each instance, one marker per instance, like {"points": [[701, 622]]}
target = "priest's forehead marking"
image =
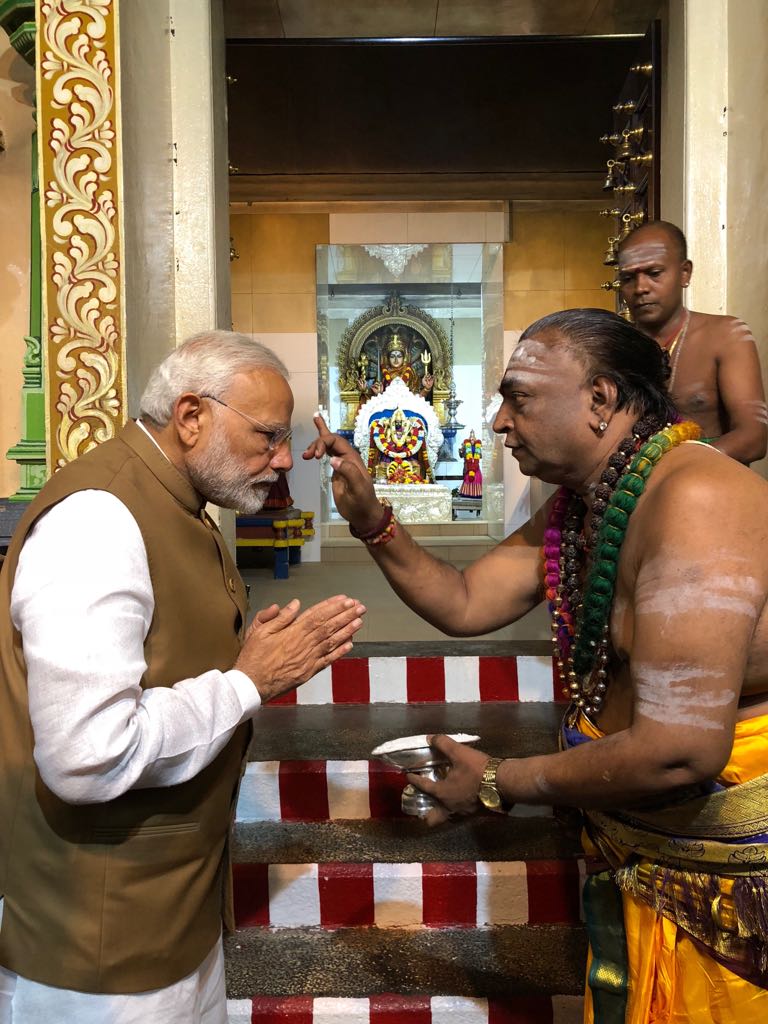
{"points": [[529, 351], [642, 253], [528, 361]]}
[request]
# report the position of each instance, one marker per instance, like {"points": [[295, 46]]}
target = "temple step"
{"points": [[431, 678], [350, 732], [407, 840], [431, 894], [390, 1008], [364, 961], [349, 911], [328, 790]]}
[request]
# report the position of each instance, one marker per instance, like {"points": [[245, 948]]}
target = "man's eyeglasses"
{"points": [[275, 438]]}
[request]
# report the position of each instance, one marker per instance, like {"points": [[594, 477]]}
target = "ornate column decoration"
{"points": [[17, 17], [82, 248]]}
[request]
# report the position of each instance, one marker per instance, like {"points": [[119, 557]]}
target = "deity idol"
{"points": [[471, 451], [394, 367], [397, 452]]}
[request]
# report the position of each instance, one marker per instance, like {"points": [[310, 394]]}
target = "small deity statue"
{"points": [[394, 367], [397, 453], [471, 450]]}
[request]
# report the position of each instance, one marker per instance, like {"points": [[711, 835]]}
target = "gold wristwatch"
{"points": [[489, 794]]}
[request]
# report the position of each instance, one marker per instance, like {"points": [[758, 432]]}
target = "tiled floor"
{"points": [[387, 618]]}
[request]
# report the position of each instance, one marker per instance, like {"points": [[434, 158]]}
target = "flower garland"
{"points": [[405, 449], [580, 627], [403, 472]]}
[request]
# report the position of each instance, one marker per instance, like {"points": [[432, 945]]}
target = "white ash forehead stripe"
{"points": [[642, 253], [531, 345], [527, 376]]}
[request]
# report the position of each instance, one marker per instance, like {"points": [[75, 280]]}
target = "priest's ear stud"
{"points": [[602, 426]]}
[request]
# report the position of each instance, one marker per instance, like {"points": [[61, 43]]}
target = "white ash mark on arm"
{"points": [[679, 694]]}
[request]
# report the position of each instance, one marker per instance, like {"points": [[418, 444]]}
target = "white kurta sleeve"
{"points": [[82, 600]]}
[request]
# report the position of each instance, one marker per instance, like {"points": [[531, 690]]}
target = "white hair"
{"points": [[204, 363]]}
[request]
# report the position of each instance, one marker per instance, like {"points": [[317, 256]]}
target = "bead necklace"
{"points": [[564, 540], [580, 626]]}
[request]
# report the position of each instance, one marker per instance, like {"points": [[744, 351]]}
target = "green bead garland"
{"points": [[598, 593]]}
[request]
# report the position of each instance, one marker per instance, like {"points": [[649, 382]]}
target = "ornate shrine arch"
{"points": [[394, 315]]}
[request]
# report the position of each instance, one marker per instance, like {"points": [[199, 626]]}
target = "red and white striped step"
{"points": [[458, 680], [450, 894], [396, 1009], [327, 791]]}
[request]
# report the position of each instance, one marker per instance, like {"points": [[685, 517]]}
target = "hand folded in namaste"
{"points": [[283, 648]]}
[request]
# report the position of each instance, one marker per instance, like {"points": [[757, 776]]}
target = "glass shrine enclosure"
{"points": [[410, 355]]}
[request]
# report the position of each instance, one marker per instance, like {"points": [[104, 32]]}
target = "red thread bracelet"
{"points": [[381, 526]]}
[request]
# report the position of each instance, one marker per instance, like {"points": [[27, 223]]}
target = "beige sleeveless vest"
{"points": [[124, 896]]}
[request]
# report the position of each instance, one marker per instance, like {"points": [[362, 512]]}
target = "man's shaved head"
{"points": [[654, 228]]}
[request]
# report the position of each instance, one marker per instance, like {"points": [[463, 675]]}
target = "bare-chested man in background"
{"points": [[716, 378]]}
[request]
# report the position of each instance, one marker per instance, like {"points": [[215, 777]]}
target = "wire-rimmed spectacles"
{"points": [[276, 438]]}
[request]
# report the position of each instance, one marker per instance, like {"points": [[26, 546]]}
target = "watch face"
{"points": [[489, 798]]}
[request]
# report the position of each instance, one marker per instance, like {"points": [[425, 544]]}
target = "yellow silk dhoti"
{"points": [[672, 979]]}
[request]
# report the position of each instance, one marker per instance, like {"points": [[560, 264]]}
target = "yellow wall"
{"points": [[273, 281], [17, 81], [554, 261]]}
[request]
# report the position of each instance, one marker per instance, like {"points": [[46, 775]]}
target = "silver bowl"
{"points": [[413, 754]]}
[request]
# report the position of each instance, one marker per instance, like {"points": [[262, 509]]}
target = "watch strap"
{"points": [[489, 786]]}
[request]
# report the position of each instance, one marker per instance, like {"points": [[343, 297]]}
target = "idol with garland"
{"points": [[471, 451], [397, 451]]}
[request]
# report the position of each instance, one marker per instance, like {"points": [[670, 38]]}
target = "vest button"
{"points": [[231, 584]]}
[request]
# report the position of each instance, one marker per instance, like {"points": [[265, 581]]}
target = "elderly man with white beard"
{"points": [[127, 687]]}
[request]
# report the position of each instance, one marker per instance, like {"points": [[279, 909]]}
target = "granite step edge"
{"points": [[352, 731], [406, 840], [358, 962]]}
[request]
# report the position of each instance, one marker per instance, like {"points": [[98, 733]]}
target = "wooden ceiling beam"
{"points": [[424, 187]]}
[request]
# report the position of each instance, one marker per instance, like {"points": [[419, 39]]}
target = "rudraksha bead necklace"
{"points": [[580, 624]]}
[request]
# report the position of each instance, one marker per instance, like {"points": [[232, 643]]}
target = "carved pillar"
{"points": [[79, 130], [17, 17]]}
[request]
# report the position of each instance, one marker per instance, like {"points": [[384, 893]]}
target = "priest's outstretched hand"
{"points": [[352, 484]]}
